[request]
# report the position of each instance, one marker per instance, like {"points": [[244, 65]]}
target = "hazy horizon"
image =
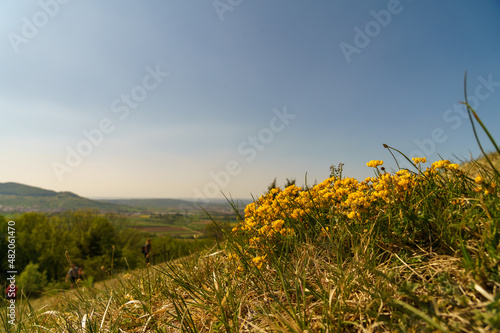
{"points": [[165, 99]]}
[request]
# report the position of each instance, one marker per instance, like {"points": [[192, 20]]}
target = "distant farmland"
{"points": [[167, 230]]}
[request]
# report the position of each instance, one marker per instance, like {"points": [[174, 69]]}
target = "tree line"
{"points": [[101, 244]]}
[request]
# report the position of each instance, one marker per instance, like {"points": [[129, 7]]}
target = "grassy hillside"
{"points": [[22, 198], [403, 252], [24, 190], [475, 167], [411, 251]]}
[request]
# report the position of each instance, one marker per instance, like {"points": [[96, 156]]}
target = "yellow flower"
{"points": [[418, 160], [440, 164], [278, 224], [265, 229], [259, 261], [374, 163], [351, 215], [490, 189], [287, 231], [452, 167], [479, 180], [254, 240]]}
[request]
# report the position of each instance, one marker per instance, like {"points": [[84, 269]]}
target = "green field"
{"points": [[175, 224]]}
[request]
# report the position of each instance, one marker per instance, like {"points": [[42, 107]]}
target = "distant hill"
{"points": [[15, 197], [24, 190]]}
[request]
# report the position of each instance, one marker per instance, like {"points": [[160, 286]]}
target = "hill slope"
{"points": [[418, 257], [24, 190], [474, 167], [21, 198]]}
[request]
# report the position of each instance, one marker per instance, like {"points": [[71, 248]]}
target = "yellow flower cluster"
{"points": [[280, 214], [484, 186], [444, 164], [374, 163], [418, 160]]}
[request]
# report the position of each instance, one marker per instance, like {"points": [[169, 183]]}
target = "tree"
{"points": [[275, 185], [99, 238], [3, 247], [28, 239], [31, 280], [272, 185], [289, 182]]}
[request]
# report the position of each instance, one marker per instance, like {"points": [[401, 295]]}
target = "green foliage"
{"points": [[98, 240], [167, 248], [101, 244], [3, 245], [336, 171], [273, 184], [289, 182], [217, 231], [31, 280]]}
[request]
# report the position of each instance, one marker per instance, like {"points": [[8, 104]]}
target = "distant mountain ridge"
{"points": [[22, 198], [16, 197], [21, 189]]}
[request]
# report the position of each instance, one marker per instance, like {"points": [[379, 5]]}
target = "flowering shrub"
{"points": [[281, 217]]}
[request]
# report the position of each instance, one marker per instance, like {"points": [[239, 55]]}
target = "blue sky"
{"points": [[185, 99]]}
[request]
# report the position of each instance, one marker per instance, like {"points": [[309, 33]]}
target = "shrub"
{"points": [[32, 281]]}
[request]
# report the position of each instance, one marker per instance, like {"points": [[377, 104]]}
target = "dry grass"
{"points": [[355, 278], [195, 294], [481, 166]]}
